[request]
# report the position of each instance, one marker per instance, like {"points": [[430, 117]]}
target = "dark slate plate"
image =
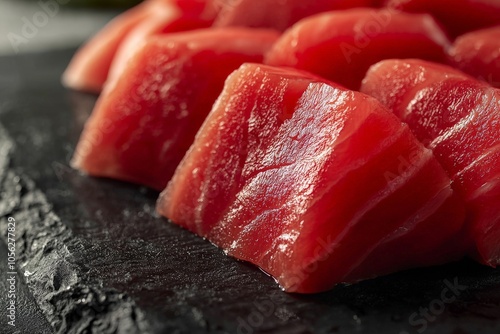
{"points": [[94, 257]]}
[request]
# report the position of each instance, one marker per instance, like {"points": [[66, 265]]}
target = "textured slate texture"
{"points": [[103, 262]]}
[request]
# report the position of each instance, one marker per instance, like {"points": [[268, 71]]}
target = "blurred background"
{"points": [[39, 25]]}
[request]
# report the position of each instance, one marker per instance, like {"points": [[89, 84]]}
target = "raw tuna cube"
{"points": [[277, 14], [341, 46], [458, 16], [144, 122], [457, 117], [306, 180], [478, 53], [88, 70]]}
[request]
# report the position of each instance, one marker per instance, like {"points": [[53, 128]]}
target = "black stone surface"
{"points": [[99, 260]]}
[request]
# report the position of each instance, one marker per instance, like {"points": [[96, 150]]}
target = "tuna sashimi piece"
{"points": [[458, 16], [341, 46], [457, 117], [277, 14], [88, 70], [144, 122], [478, 53], [306, 180]]}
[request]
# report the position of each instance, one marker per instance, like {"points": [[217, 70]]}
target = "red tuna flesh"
{"points": [[458, 16], [277, 14], [478, 54], [341, 46], [89, 68], [305, 180], [457, 117], [169, 20], [146, 120]]}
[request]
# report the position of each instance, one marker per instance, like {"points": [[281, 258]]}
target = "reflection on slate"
{"points": [[103, 261]]}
